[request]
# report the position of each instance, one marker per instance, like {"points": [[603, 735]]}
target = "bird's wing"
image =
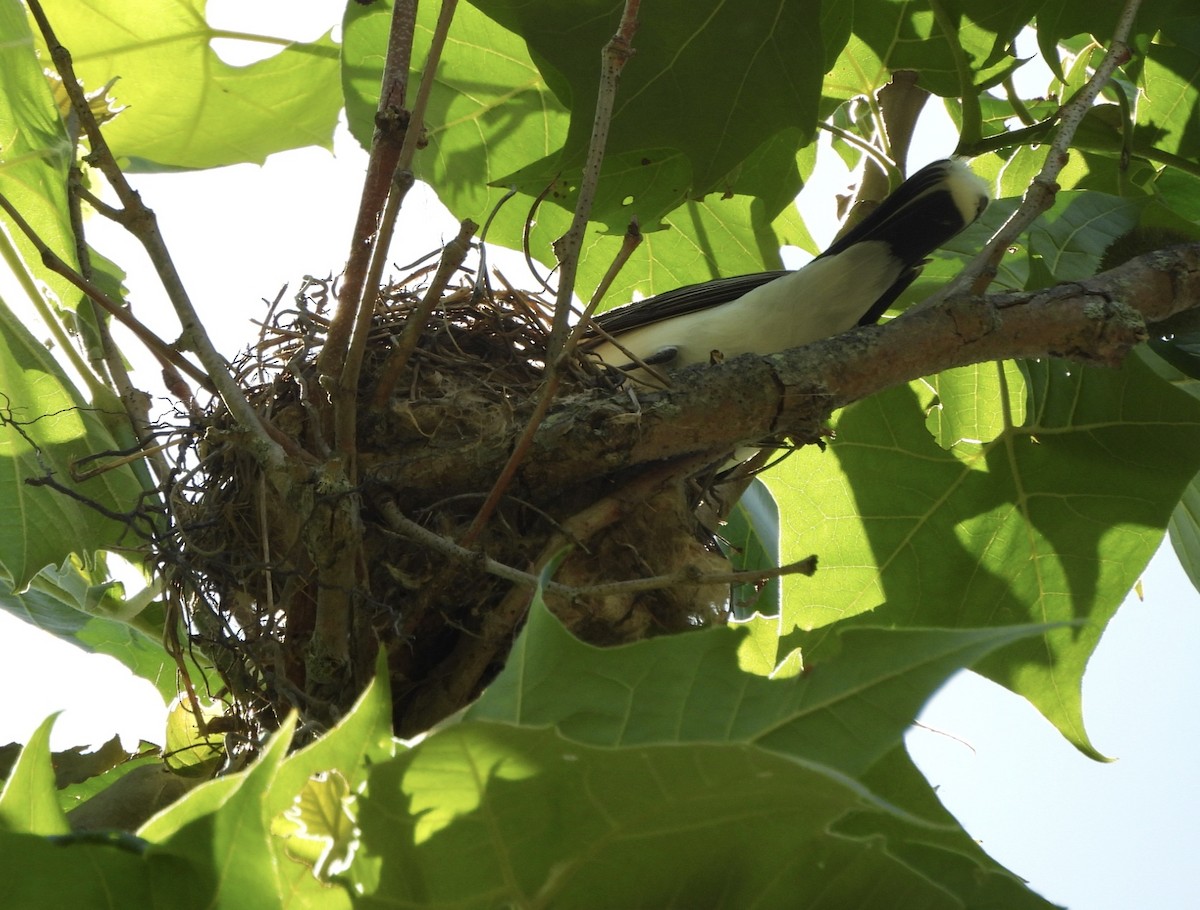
{"points": [[681, 301]]}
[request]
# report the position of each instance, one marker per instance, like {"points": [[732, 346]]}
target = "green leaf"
{"points": [[319, 826], [845, 711], [340, 758], [482, 815], [230, 847], [1169, 103], [1185, 531], [44, 427], [945, 853], [184, 106], [35, 156], [1052, 521], [893, 36], [92, 872], [706, 239], [29, 801], [70, 604], [1068, 245], [362, 737], [188, 751], [75, 795], [975, 404], [1059, 19], [772, 58]]}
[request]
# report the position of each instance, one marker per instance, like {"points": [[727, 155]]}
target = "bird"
{"points": [[852, 283]]}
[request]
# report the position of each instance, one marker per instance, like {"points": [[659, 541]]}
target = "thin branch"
{"points": [[346, 433], [546, 394], [616, 54], [164, 352], [110, 359], [452, 259], [980, 272], [885, 163], [391, 120], [631, 240], [140, 221], [689, 577]]}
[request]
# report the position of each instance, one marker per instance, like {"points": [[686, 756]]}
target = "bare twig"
{"points": [[391, 122], [980, 272], [629, 243], [546, 393], [165, 353], [141, 222], [616, 54], [345, 432], [452, 259], [413, 531], [135, 402]]}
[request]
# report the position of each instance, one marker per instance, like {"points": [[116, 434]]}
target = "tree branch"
{"points": [[140, 221], [715, 408]]}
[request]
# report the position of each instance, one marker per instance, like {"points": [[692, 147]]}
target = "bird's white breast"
{"points": [[826, 297]]}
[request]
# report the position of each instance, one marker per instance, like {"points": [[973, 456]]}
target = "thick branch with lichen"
{"points": [[719, 407]]}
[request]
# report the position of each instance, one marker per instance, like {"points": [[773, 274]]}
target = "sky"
{"points": [[1087, 835]]}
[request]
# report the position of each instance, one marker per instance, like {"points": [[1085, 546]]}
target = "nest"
{"points": [[292, 583]]}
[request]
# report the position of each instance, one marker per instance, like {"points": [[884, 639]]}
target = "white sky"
{"points": [[1087, 835]]}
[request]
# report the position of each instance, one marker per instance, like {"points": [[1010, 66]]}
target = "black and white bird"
{"points": [[851, 283]]}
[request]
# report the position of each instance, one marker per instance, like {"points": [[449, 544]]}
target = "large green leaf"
{"points": [[890, 36], [946, 854], [1050, 521], [845, 712], [482, 814], [771, 60], [1060, 19], [185, 107], [1169, 104], [97, 871], [1185, 531], [706, 239]]}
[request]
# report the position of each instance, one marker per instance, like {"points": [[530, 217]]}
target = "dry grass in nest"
{"points": [[266, 558]]}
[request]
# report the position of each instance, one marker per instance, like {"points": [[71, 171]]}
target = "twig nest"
{"points": [[293, 582]]}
